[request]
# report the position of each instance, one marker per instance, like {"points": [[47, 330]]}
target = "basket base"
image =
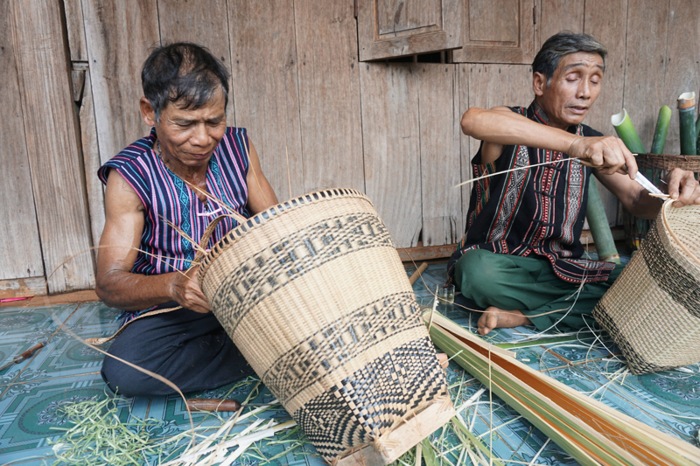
{"points": [[398, 441]]}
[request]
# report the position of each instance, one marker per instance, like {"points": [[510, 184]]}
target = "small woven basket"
{"points": [[313, 293], [655, 167], [652, 311]]}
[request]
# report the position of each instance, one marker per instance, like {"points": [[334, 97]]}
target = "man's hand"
{"points": [[607, 154], [186, 291], [683, 188]]}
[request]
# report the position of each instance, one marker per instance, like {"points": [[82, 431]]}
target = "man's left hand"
{"points": [[683, 188]]}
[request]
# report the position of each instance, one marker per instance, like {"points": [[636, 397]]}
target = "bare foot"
{"points": [[494, 317]]}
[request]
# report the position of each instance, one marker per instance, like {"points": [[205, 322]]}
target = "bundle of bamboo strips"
{"points": [[588, 430]]}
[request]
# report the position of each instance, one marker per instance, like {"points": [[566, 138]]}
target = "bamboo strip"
{"points": [[587, 429]]}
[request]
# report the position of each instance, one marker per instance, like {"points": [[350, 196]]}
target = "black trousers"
{"points": [[190, 349]]}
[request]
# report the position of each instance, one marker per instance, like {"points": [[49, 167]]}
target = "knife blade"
{"points": [[648, 185]]}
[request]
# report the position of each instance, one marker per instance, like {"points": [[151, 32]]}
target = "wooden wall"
{"points": [[317, 115]]}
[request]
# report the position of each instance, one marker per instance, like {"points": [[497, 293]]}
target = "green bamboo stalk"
{"points": [[661, 132], [686, 118], [626, 131], [600, 228]]}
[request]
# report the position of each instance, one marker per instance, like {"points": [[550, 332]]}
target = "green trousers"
{"points": [[528, 284]]}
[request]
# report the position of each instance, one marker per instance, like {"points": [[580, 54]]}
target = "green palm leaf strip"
{"points": [[587, 429]]}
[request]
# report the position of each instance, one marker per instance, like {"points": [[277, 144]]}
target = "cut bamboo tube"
{"points": [[626, 131], [661, 132], [686, 119]]}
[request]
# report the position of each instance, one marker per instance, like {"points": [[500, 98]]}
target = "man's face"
{"points": [[188, 137], [574, 87]]}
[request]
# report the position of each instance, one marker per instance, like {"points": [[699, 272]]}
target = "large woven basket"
{"points": [[652, 311], [315, 296]]}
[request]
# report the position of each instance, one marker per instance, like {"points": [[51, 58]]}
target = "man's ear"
{"points": [[539, 83], [147, 112]]}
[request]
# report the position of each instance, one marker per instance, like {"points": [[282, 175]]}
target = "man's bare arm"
{"points": [[116, 285], [501, 126]]}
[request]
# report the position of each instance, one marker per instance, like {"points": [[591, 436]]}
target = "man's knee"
{"points": [[127, 381], [477, 273]]}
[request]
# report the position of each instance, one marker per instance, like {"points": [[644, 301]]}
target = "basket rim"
{"points": [[261, 218], [668, 228]]}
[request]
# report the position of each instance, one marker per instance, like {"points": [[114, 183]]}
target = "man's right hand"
{"points": [[607, 154], [186, 291]]}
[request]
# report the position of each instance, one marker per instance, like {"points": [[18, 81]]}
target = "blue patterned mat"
{"points": [[66, 372]]}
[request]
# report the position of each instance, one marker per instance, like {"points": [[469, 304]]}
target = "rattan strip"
{"points": [[274, 212]]}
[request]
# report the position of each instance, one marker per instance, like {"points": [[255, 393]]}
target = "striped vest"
{"points": [[167, 198], [537, 211]]}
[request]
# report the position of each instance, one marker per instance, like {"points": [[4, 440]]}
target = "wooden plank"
{"points": [[439, 117], [559, 15], [489, 36], [466, 148], [423, 253], [19, 242], [120, 34], [396, 28], [75, 28], [203, 22], [52, 146], [19, 287], [647, 68], [329, 94], [391, 140], [91, 158], [266, 88]]}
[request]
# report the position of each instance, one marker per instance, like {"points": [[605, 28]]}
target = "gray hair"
{"points": [[182, 72], [561, 44]]}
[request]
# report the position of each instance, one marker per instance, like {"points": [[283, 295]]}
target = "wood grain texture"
{"points": [[52, 147], [120, 35], [19, 242], [91, 159], [391, 139], [204, 22], [397, 28], [559, 15], [439, 116], [490, 37], [266, 88], [75, 28], [329, 95]]}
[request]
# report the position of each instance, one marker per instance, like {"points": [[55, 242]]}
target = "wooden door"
{"points": [[396, 28], [497, 31]]}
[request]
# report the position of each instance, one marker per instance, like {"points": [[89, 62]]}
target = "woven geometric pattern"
{"points": [[374, 399], [315, 296], [341, 341], [283, 261], [652, 311]]}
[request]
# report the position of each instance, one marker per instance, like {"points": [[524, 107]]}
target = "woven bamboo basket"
{"points": [[313, 293], [655, 167], [652, 311]]}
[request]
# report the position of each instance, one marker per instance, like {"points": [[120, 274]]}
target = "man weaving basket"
{"points": [[521, 258], [163, 191]]}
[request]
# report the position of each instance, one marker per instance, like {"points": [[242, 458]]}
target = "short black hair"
{"points": [[182, 72], [564, 43]]}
